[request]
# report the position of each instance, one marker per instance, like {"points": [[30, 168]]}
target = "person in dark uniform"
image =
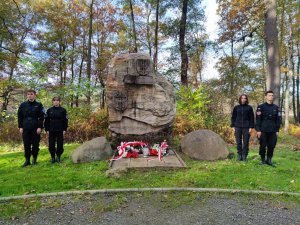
{"points": [[56, 124], [242, 120], [268, 121], [30, 123]]}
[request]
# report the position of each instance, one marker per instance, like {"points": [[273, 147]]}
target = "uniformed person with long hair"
{"points": [[242, 120], [56, 124]]}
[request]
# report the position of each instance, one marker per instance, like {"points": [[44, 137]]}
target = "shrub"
{"points": [[9, 132], [294, 130], [87, 126], [197, 109], [191, 110]]}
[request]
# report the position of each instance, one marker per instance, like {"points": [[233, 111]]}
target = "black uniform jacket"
{"points": [[268, 118], [242, 116], [31, 115], [56, 119]]}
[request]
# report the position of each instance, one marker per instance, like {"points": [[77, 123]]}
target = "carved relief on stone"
{"points": [[141, 74], [120, 101], [143, 67]]}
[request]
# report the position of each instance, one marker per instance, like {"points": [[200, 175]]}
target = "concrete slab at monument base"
{"points": [[173, 161]]}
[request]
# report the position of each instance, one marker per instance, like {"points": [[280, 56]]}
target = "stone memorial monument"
{"points": [[141, 103]]}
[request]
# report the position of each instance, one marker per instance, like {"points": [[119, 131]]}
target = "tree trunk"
{"points": [[297, 85], [149, 37], [183, 51], [271, 39], [9, 88], [232, 76], [72, 71], [62, 63], [89, 55], [155, 55], [286, 102], [294, 99], [133, 27]]}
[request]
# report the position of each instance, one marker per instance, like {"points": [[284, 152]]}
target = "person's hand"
{"points": [[277, 133], [258, 134], [39, 131], [21, 130], [250, 130]]}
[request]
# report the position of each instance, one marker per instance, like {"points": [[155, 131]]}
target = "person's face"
{"points": [[269, 97], [56, 102], [31, 96], [243, 99]]}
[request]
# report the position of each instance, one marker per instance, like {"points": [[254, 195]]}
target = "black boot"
{"points": [[240, 158], [263, 160], [58, 159], [34, 160], [269, 161], [27, 162], [244, 158], [53, 159]]}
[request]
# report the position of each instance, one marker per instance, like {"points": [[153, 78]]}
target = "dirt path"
{"points": [[159, 208]]}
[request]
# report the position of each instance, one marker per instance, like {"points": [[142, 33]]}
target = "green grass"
{"points": [[46, 177]]}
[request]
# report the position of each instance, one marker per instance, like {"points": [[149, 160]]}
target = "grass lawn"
{"points": [[47, 177]]}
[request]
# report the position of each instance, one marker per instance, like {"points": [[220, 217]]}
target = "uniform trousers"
{"points": [[56, 143], [267, 140], [31, 141], [242, 137]]}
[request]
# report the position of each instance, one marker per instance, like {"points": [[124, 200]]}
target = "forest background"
{"points": [[64, 48]]}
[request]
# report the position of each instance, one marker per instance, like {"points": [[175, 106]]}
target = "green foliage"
{"points": [[191, 101], [34, 73], [191, 109]]}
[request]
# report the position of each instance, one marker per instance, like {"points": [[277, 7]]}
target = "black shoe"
{"points": [[269, 161], [58, 159], [53, 159], [34, 161], [263, 163], [240, 158], [244, 158], [27, 162]]}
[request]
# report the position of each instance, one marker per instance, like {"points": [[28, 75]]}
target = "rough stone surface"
{"points": [[160, 208], [204, 145], [139, 101], [93, 150]]}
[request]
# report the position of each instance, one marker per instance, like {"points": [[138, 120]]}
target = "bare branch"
{"points": [[7, 49], [10, 33], [21, 14]]}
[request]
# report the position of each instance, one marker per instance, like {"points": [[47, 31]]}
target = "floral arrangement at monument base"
{"points": [[134, 149]]}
